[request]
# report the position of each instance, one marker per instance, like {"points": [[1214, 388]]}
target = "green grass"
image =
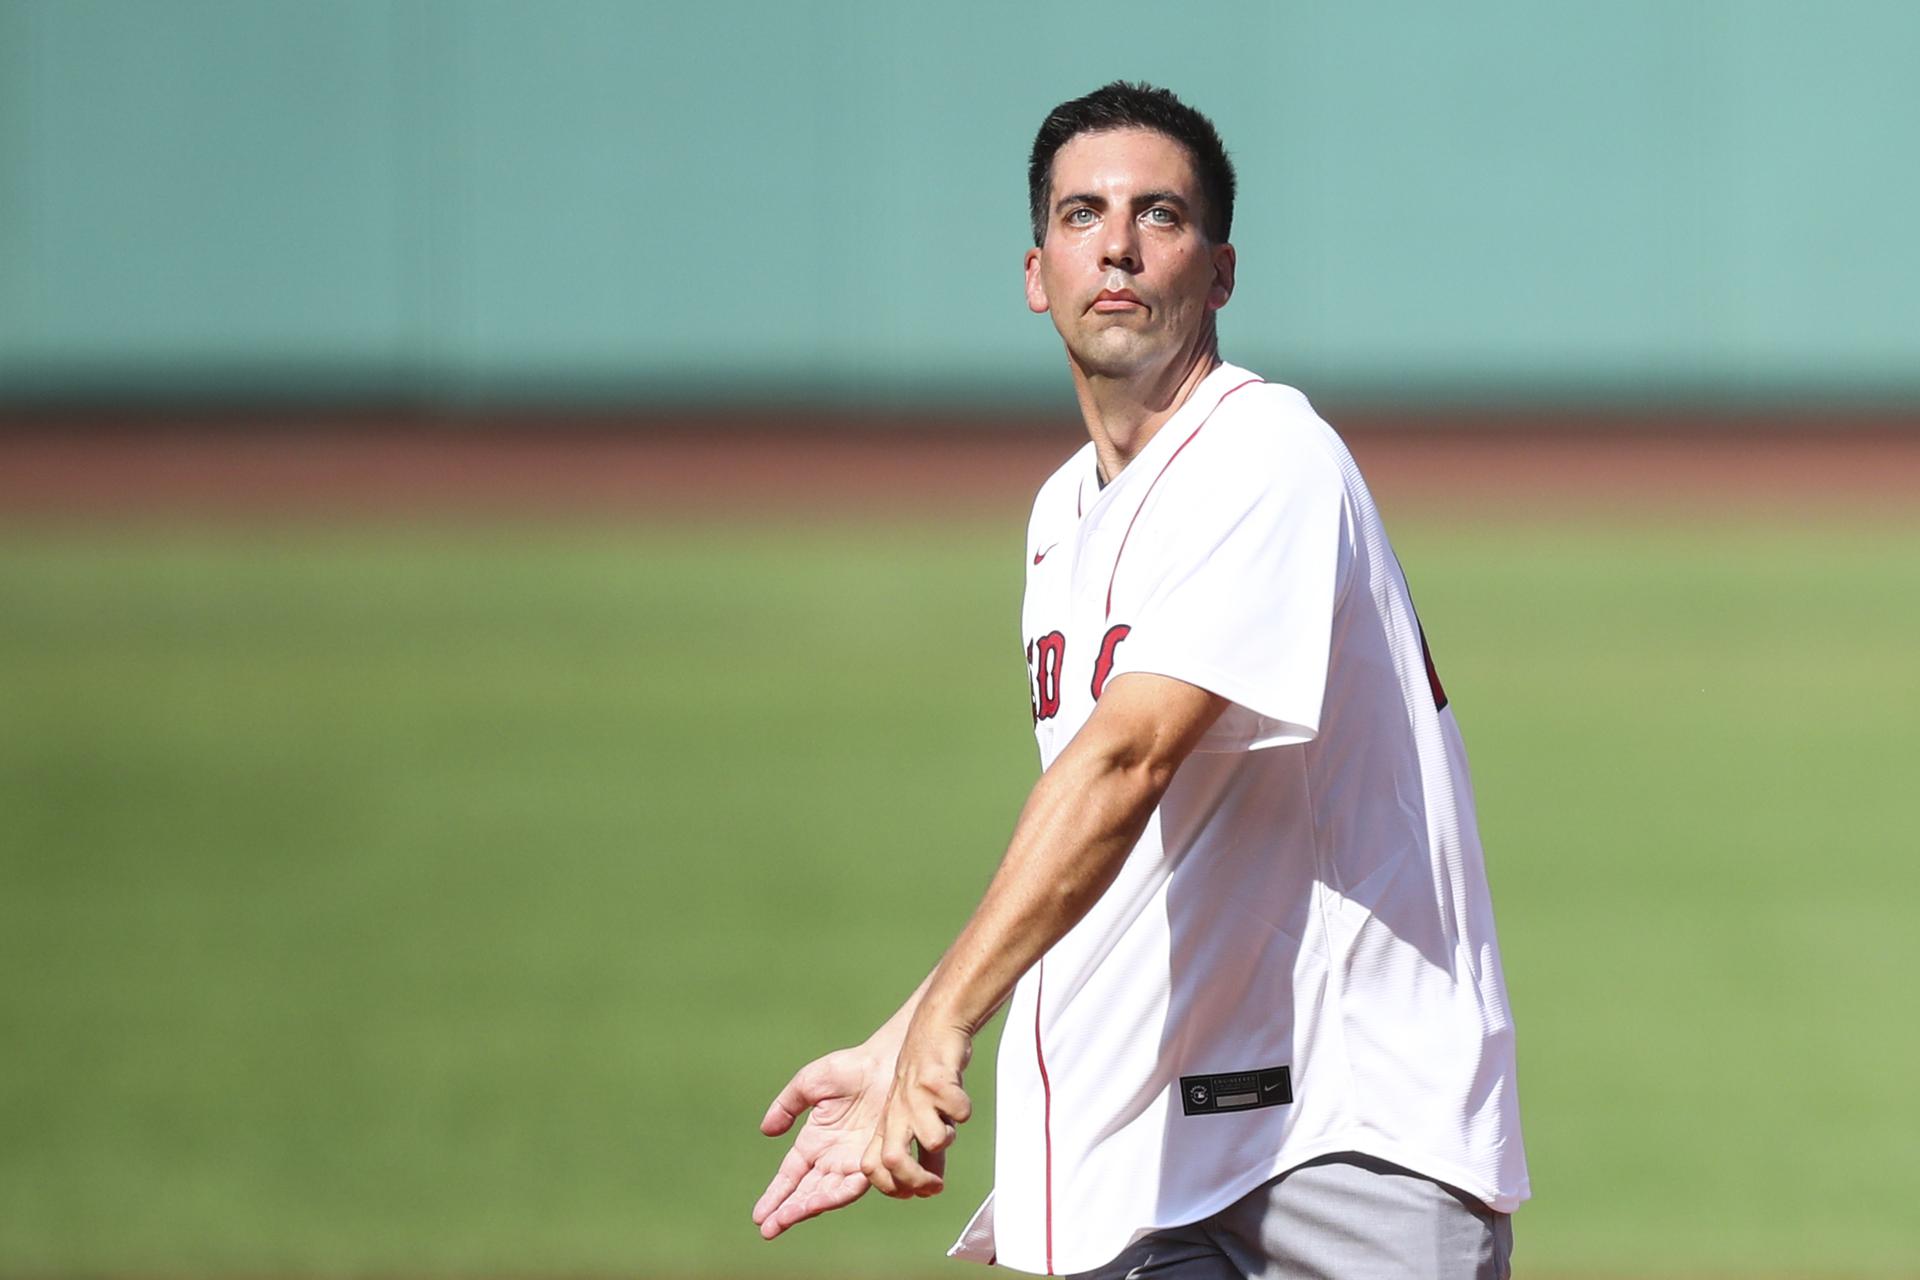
{"points": [[452, 900]]}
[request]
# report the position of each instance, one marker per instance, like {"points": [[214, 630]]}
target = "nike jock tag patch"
{"points": [[1236, 1091]]}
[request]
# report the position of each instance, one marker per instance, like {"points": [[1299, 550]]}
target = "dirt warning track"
{"points": [[657, 468]]}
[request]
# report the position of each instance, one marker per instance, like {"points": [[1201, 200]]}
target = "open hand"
{"points": [[845, 1091]]}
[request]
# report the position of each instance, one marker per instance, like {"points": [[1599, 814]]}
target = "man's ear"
{"points": [[1036, 290], [1224, 262]]}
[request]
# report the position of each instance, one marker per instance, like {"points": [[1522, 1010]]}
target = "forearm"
{"points": [[1078, 825], [1082, 820]]}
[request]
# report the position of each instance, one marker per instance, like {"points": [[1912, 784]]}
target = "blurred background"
{"points": [[510, 546]]}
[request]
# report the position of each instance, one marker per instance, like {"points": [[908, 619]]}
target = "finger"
{"points": [[932, 1135], [828, 1192], [953, 1102], [872, 1165], [920, 1174], [807, 1087], [791, 1171], [787, 1212], [931, 1130], [935, 1163], [909, 1178]]}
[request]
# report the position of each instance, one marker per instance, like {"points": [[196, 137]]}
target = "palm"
{"points": [[821, 1172]]}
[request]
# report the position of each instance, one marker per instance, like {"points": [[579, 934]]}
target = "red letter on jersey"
{"points": [[1032, 698], [1103, 666], [1048, 655]]}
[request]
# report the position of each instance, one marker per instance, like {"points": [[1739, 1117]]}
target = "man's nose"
{"points": [[1122, 248]]}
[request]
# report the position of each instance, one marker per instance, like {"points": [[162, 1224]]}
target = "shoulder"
{"points": [[1264, 434], [1273, 418]]}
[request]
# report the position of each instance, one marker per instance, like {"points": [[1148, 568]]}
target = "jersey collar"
{"points": [[1200, 402]]}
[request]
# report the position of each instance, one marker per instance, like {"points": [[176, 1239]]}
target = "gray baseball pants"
{"points": [[1343, 1217]]}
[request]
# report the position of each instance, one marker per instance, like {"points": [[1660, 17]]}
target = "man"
{"points": [[1258, 1025]]}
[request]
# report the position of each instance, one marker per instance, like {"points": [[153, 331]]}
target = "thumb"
{"points": [[808, 1086]]}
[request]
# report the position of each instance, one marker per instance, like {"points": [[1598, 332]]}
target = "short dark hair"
{"points": [[1121, 105]]}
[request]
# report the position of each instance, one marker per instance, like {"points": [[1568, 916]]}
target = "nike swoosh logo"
{"points": [[1269, 1088], [1038, 556]]}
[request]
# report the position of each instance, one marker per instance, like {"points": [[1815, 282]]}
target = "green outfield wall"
{"points": [[475, 201]]}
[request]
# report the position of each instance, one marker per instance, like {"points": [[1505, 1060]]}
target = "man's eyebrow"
{"points": [[1141, 201]]}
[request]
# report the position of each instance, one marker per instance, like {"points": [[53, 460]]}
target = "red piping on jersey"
{"points": [[1046, 1103], [1156, 480]]}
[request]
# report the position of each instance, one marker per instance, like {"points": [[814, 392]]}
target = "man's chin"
{"points": [[1113, 355]]}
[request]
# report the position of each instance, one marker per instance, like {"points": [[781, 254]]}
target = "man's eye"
{"points": [[1162, 216], [1080, 217]]}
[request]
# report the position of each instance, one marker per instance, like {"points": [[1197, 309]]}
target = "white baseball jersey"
{"points": [[1298, 956]]}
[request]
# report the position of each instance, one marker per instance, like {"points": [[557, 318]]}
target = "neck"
{"points": [[1123, 413]]}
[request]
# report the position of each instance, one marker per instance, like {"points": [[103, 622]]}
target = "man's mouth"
{"points": [[1117, 300]]}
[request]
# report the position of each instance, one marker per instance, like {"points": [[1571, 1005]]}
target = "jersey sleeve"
{"points": [[1241, 558]]}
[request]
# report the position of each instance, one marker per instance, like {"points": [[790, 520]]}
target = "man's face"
{"points": [[1126, 270]]}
